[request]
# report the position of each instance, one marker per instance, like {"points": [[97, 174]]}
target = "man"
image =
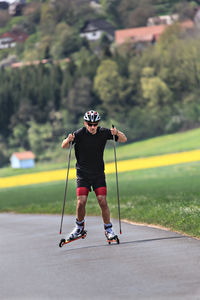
{"points": [[89, 146]]}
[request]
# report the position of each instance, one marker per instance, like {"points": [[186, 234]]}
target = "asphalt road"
{"points": [[148, 264]]}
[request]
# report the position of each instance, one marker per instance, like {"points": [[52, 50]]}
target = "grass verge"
{"points": [[167, 196]]}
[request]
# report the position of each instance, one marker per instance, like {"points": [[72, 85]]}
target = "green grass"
{"points": [[167, 196], [178, 142], [39, 167], [171, 143]]}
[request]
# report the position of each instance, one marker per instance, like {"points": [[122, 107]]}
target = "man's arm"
{"points": [[66, 142], [121, 136]]}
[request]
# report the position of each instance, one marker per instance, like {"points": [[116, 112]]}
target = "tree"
{"points": [[65, 43], [139, 16], [171, 34], [185, 10], [86, 63], [154, 89], [40, 137], [20, 136], [79, 98], [110, 9], [107, 84], [56, 81], [129, 13], [47, 21], [4, 154]]}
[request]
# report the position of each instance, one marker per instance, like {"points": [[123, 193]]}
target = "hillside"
{"points": [[40, 20], [146, 90]]}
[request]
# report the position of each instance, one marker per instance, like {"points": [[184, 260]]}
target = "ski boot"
{"points": [[76, 234], [110, 235]]}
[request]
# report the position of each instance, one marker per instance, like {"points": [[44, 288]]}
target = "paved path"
{"points": [[148, 264]]}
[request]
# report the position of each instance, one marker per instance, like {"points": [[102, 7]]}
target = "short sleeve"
{"points": [[78, 133], [108, 134]]}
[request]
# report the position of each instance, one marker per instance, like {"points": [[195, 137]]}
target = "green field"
{"points": [[167, 196], [160, 145]]}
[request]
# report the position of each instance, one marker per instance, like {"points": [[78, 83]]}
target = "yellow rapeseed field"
{"points": [[122, 166]]}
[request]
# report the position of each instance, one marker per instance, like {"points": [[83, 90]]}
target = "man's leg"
{"points": [[82, 195], [80, 208], [101, 197], [105, 212]]}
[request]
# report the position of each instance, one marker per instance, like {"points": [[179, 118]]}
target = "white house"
{"points": [[163, 20], [7, 42], [93, 30], [23, 160], [13, 1], [10, 39]]}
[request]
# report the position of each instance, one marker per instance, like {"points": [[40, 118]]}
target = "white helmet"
{"points": [[92, 116]]}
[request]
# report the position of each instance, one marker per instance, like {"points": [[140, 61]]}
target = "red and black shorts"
{"points": [[87, 181]]}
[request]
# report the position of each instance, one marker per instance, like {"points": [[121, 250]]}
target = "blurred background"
{"points": [[136, 62]]}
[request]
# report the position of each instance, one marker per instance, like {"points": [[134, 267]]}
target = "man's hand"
{"points": [[66, 142], [121, 136], [71, 137], [114, 131]]}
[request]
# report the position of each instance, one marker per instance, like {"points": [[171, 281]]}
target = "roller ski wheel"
{"points": [[114, 239], [64, 241]]}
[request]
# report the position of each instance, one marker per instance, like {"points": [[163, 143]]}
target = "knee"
{"points": [[81, 201], [102, 201]]}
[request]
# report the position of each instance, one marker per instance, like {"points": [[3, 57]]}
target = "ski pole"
{"points": [[66, 182], [120, 230]]}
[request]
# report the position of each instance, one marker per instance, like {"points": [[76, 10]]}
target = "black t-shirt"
{"points": [[89, 149]]}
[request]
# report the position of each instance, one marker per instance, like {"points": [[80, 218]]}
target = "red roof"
{"points": [[17, 36], [24, 155], [144, 34]]}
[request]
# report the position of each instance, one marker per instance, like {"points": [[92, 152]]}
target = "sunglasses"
{"points": [[92, 124]]}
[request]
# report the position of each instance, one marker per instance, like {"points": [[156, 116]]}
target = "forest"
{"points": [[146, 93]]}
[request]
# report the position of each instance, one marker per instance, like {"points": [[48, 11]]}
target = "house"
{"points": [[163, 20], [10, 39], [93, 30], [6, 42], [9, 2], [148, 34], [140, 34], [4, 4], [22, 160], [16, 7]]}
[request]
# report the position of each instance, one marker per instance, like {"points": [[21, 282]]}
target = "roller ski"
{"points": [[76, 234], [69, 240], [110, 235]]}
